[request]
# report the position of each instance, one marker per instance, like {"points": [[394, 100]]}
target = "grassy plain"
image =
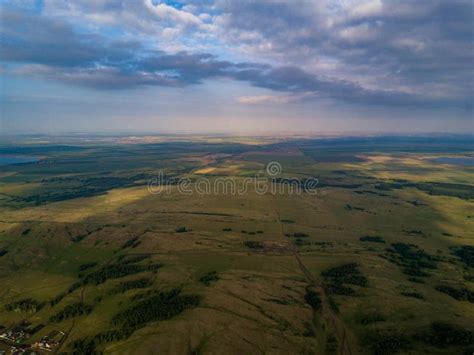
{"points": [[261, 265]]}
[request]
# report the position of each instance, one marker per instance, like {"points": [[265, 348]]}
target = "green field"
{"points": [[378, 259]]}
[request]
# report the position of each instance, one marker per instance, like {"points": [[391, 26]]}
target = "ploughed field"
{"points": [[96, 255]]}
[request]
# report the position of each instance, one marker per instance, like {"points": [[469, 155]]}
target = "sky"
{"points": [[236, 67]]}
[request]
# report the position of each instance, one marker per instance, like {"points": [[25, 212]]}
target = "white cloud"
{"points": [[167, 12], [368, 8], [357, 34], [412, 44]]}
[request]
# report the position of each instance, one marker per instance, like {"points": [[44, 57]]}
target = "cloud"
{"points": [[166, 12], [367, 9], [103, 78], [359, 33], [381, 45], [271, 99], [376, 52], [27, 38], [140, 18]]}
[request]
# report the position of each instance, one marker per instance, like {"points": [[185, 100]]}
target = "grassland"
{"points": [[379, 260]]}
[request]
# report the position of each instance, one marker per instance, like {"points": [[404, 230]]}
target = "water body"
{"points": [[464, 161], [16, 159]]}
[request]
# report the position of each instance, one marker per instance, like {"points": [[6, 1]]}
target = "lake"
{"points": [[464, 161], [16, 159]]}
